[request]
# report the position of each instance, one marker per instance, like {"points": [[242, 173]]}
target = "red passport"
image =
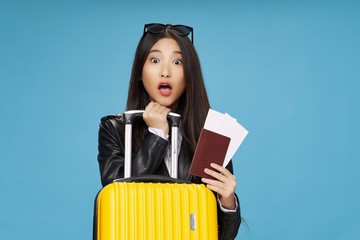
{"points": [[211, 148]]}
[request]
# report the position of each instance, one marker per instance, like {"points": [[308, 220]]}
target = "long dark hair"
{"points": [[193, 104]]}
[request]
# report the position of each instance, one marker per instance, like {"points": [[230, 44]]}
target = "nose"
{"points": [[165, 72], [165, 75]]}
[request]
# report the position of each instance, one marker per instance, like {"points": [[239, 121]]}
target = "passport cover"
{"points": [[211, 148]]}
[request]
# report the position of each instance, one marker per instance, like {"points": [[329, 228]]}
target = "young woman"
{"points": [[166, 76]]}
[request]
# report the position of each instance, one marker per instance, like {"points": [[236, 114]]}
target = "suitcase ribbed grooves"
{"points": [[158, 211]]}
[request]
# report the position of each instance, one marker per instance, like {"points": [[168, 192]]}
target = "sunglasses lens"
{"points": [[156, 28], [182, 30]]}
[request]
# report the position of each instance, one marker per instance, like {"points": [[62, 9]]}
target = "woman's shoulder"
{"points": [[113, 117], [115, 120]]}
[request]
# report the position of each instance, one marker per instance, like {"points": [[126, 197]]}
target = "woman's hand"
{"points": [[155, 116], [224, 185]]}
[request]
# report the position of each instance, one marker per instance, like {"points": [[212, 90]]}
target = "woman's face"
{"points": [[163, 73]]}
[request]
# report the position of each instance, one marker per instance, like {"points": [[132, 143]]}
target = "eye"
{"points": [[154, 60], [177, 62]]}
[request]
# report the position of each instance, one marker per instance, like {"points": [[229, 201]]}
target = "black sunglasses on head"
{"points": [[181, 30]]}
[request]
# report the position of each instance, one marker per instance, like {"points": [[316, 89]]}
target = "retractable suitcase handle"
{"points": [[129, 117]]}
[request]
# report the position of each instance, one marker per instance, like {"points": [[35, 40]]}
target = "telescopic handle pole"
{"points": [[129, 117]]}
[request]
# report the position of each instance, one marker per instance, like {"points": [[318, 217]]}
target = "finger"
{"points": [[221, 169], [225, 183], [166, 111], [150, 105], [148, 109], [153, 110], [214, 185], [228, 180], [223, 189], [211, 182], [216, 189], [217, 175], [157, 109]]}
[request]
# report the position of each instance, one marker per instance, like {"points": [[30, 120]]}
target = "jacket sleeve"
{"points": [[229, 222], [111, 152]]}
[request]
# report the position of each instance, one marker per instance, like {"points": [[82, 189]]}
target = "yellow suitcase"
{"points": [[154, 207]]}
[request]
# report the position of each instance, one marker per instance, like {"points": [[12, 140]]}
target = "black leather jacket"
{"points": [[149, 160]]}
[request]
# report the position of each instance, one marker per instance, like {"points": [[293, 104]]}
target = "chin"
{"points": [[166, 104]]}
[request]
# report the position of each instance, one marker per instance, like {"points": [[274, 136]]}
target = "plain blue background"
{"points": [[287, 70]]}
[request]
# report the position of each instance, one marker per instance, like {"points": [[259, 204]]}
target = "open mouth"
{"points": [[165, 88]]}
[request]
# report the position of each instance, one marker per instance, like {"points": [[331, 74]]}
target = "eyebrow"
{"points": [[156, 50]]}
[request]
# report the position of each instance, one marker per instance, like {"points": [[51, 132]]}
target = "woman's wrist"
{"points": [[228, 203]]}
